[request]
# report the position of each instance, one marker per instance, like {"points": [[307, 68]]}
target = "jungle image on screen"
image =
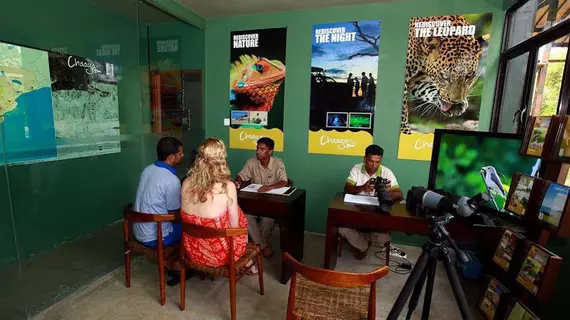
{"points": [[470, 164]]}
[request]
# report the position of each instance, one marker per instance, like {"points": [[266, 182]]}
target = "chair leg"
{"points": [[340, 243], [233, 294], [387, 246], [128, 267], [260, 273], [182, 287], [161, 281]]}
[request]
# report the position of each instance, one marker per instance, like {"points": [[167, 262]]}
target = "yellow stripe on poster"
{"points": [[342, 143], [246, 138], [415, 146]]}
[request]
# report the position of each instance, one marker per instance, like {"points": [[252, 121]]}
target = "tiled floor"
{"points": [[110, 299]]}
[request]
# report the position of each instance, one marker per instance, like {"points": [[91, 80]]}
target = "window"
{"points": [[550, 64], [549, 13], [533, 76], [510, 117], [534, 17]]}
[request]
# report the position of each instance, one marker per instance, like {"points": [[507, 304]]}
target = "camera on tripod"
{"points": [[440, 203], [438, 207]]}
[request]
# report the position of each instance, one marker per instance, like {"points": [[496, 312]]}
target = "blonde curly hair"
{"points": [[209, 168]]}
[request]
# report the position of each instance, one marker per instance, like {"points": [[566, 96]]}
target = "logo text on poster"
{"points": [[246, 136], [328, 35], [163, 46], [246, 41], [422, 144], [443, 28], [341, 144], [89, 66]]}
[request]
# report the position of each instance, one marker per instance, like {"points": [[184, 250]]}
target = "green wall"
{"points": [[324, 175]]}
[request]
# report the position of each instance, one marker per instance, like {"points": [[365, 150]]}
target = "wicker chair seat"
{"points": [[251, 250], [314, 301], [150, 253]]}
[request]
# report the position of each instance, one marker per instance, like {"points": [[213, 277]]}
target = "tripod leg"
{"points": [[456, 286], [432, 264], [417, 291], [408, 287]]}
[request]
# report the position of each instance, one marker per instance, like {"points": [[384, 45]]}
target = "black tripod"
{"points": [[440, 247]]}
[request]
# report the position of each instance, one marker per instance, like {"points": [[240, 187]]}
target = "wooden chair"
{"points": [[234, 271], [319, 293], [160, 254]]}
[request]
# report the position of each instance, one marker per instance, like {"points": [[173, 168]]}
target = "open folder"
{"points": [[284, 191], [351, 198]]}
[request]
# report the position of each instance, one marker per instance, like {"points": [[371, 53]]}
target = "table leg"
{"points": [[331, 246], [287, 243], [292, 235]]}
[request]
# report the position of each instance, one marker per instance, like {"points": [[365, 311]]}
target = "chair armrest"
{"points": [[335, 278]]}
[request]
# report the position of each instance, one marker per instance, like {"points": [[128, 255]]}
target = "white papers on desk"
{"points": [[252, 188], [280, 191], [255, 188], [351, 198]]}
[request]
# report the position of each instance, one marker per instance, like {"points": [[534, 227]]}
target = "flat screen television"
{"points": [[465, 163]]}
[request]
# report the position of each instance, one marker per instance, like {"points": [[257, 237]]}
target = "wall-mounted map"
{"points": [[54, 106]]}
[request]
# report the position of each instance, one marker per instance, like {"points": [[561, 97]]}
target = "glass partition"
{"points": [[76, 130], [173, 81]]}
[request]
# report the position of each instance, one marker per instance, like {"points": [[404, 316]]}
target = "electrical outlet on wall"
{"points": [[227, 122]]}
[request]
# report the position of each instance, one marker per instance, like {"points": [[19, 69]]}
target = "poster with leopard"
{"points": [[445, 74], [257, 85]]}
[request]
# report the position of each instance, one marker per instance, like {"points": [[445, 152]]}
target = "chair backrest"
{"points": [[207, 232], [130, 216], [333, 278]]}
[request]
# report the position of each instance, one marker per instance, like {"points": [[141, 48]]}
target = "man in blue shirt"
{"points": [[159, 193]]}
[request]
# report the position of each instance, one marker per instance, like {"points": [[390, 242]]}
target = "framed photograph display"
{"points": [[506, 248], [538, 271], [562, 145], [518, 311], [540, 137], [519, 194], [553, 207], [492, 297]]}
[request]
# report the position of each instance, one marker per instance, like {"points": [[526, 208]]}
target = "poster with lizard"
{"points": [[257, 85], [344, 67]]}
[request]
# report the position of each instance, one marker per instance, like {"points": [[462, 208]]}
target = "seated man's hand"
{"points": [[238, 184], [369, 187], [265, 189], [388, 185]]}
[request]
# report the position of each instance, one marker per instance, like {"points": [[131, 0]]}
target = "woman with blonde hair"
{"points": [[209, 198]]}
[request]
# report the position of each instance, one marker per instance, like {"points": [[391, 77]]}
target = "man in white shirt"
{"points": [[159, 192], [359, 182]]}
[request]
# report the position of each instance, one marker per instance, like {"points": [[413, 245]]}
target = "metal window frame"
{"points": [[530, 46]]}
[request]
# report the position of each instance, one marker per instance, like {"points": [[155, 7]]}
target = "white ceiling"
{"points": [[226, 8]]}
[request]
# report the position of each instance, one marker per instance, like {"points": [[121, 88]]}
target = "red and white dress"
{"points": [[213, 252]]}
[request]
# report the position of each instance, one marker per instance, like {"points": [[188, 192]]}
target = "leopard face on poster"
{"points": [[257, 84], [445, 74]]}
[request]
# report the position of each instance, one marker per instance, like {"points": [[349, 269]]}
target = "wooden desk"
{"points": [[400, 220], [288, 212]]}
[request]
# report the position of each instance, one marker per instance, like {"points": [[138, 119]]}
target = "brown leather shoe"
{"points": [[360, 255]]}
